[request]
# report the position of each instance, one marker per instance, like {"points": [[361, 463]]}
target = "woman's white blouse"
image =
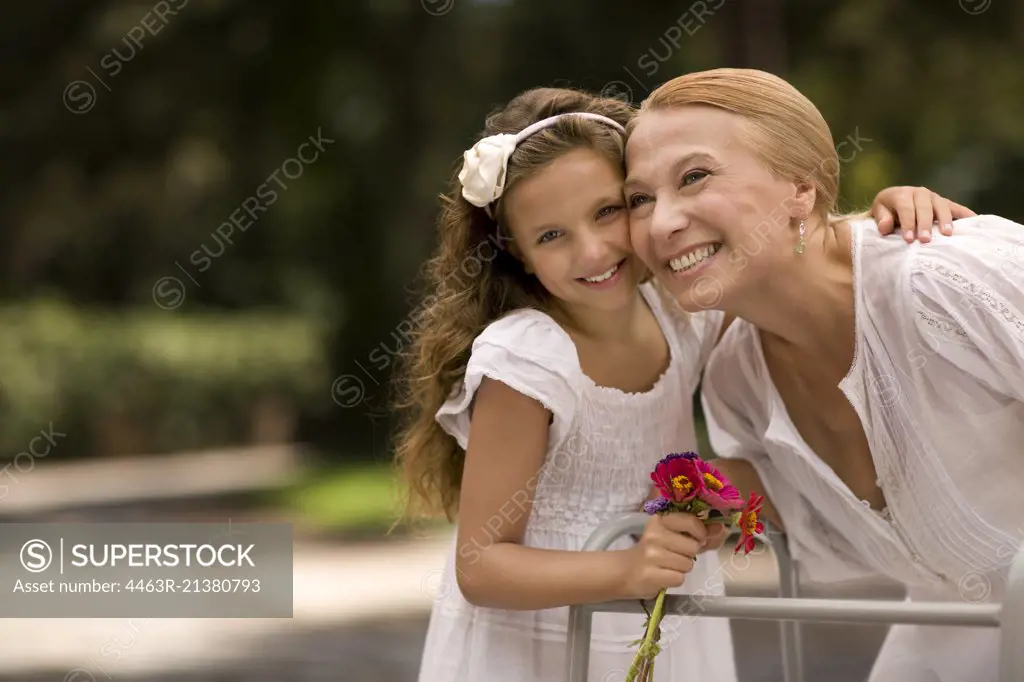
{"points": [[938, 382]]}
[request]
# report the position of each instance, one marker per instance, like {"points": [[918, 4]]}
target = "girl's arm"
{"points": [[507, 443], [915, 209]]}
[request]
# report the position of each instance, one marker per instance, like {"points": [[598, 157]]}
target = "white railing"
{"points": [[790, 609]]}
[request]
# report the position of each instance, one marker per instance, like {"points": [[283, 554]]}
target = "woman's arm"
{"points": [[742, 474], [735, 418], [967, 299], [727, 399]]}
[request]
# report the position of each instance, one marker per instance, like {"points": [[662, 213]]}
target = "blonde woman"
{"points": [[874, 391]]}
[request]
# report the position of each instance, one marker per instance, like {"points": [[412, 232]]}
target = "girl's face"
{"points": [[708, 218], [571, 230]]}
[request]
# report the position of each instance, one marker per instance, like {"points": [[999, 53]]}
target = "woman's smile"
{"points": [[693, 260]]}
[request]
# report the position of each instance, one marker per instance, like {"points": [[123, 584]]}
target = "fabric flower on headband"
{"points": [[483, 169], [483, 165]]}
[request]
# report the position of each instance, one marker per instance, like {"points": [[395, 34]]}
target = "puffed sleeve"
{"points": [[967, 293], [528, 352]]}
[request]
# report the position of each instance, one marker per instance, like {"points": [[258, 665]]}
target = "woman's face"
{"points": [[707, 217], [571, 230]]}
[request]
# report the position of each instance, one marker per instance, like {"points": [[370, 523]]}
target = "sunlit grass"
{"points": [[361, 498], [343, 498]]}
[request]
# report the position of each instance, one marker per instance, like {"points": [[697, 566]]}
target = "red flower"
{"points": [[718, 493], [678, 477], [749, 523]]}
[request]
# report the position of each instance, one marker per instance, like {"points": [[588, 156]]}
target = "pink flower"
{"points": [[749, 523], [717, 491], [678, 477]]}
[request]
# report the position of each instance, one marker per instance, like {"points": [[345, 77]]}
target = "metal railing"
{"points": [[790, 609]]}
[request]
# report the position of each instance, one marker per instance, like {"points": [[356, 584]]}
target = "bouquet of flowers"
{"points": [[689, 484]]}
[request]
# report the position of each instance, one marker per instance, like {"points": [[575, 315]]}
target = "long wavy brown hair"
{"points": [[474, 278]]}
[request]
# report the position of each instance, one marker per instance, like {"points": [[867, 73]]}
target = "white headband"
{"points": [[483, 166]]}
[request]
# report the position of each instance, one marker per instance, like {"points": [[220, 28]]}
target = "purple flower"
{"points": [[680, 455], [657, 505]]}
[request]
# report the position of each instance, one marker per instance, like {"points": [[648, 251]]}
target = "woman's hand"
{"points": [[915, 210], [717, 532]]}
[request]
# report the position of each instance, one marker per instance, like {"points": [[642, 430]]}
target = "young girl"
{"points": [[546, 378]]}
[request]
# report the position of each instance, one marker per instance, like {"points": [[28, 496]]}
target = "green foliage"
{"points": [[344, 498], [191, 121], [353, 500], [151, 379]]}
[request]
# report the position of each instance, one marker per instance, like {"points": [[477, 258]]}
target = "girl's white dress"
{"points": [[603, 445], [938, 382]]}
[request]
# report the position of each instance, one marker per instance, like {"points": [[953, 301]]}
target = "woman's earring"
{"points": [[799, 248]]}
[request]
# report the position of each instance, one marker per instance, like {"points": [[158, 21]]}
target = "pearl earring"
{"points": [[799, 248]]}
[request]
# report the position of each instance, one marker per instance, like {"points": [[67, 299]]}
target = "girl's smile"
{"points": [[607, 279]]}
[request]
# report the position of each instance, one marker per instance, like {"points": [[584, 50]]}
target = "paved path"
{"points": [[334, 586], [360, 613], [41, 486]]}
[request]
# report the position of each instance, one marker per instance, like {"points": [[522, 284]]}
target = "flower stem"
{"points": [[659, 607], [643, 662]]}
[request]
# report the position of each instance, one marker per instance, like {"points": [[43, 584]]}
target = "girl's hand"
{"points": [[915, 210], [664, 555]]}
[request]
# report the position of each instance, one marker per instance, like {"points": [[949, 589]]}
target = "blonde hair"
{"points": [[460, 304], [786, 130]]}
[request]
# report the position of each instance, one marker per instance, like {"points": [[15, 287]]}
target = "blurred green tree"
{"points": [[132, 133]]}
